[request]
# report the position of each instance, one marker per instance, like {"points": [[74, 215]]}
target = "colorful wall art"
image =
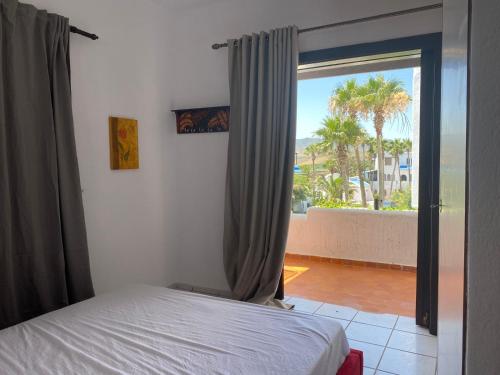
{"points": [[123, 143], [202, 120]]}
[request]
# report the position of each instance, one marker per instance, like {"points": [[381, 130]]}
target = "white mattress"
{"points": [[153, 330]]}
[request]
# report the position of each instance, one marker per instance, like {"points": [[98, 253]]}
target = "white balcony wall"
{"points": [[372, 236]]}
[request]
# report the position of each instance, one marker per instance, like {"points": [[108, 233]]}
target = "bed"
{"points": [[154, 330]]}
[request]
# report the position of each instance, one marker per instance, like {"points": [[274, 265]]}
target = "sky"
{"points": [[314, 94]]}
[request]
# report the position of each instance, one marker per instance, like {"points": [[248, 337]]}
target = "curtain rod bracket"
{"points": [[219, 45], [86, 34]]}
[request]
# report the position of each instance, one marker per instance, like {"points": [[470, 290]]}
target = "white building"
{"points": [[394, 178]]}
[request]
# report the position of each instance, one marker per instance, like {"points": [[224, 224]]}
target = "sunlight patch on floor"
{"points": [[292, 272]]}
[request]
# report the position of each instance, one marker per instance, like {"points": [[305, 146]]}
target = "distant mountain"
{"points": [[301, 144]]}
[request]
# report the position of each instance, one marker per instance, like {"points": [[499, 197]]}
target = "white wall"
{"points": [[373, 236], [201, 80], [126, 72], [483, 318]]}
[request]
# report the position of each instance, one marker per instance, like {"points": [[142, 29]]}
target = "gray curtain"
{"points": [[44, 262], [263, 88]]}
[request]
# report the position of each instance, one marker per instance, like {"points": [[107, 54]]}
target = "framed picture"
{"points": [[123, 143], [202, 120]]}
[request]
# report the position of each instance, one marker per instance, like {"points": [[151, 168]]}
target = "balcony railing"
{"points": [[388, 237]]}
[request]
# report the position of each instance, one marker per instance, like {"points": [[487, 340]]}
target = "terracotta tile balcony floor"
{"points": [[363, 288]]}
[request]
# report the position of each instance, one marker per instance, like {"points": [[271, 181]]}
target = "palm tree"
{"points": [[337, 134], [387, 145], [399, 149], [371, 144], [345, 102], [331, 187], [359, 137], [313, 150], [382, 100], [408, 145], [396, 148], [332, 165]]}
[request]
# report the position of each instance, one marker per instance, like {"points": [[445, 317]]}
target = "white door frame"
{"points": [[453, 187]]}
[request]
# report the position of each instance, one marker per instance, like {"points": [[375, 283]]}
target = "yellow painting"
{"points": [[123, 143]]}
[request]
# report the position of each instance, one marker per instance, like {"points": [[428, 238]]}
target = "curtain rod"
{"points": [[76, 30], [358, 20]]}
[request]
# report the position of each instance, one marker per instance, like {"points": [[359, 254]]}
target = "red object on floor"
{"points": [[353, 364]]}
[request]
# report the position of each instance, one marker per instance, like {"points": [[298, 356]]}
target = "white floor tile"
{"points": [[336, 311], [381, 320], [404, 363], [343, 322], [407, 324], [411, 342], [409, 349], [367, 333], [304, 305], [371, 353]]}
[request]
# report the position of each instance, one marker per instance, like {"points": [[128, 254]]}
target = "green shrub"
{"points": [[401, 201]]}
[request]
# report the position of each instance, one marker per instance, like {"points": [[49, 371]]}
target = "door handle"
{"points": [[440, 205]]}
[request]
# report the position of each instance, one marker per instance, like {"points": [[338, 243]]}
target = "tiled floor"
{"points": [[363, 288], [391, 344]]}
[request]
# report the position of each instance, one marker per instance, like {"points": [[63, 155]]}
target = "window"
{"points": [[322, 81], [404, 178], [371, 175]]}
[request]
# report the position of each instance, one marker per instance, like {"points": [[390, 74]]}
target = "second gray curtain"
{"points": [[263, 89], [44, 260]]}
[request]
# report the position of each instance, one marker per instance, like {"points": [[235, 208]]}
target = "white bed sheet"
{"points": [[154, 330]]}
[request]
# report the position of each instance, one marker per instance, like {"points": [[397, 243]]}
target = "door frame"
{"points": [[430, 46]]}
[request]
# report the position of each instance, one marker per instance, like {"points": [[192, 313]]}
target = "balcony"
{"points": [[364, 259]]}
